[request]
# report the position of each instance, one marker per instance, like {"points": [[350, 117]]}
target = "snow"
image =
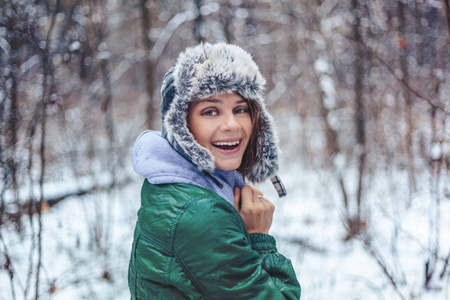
{"points": [[308, 225], [87, 240], [82, 238]]}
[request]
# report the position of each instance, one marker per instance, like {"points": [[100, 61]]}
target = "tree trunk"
{"points": [[436, 161], [149, 66], [360, 122], [402, 44], [226, 21], [447, 10], [12, 116], [198, 24]]}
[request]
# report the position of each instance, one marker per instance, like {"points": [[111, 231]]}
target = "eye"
{"points": [[209, 112], [241, 110]]}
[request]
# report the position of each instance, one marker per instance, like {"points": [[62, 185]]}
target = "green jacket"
{"points": [[190, 243]]}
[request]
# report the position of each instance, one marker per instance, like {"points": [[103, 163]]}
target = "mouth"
{"points": [[227, 146]]}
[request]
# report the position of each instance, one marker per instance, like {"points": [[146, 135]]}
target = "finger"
{"points": [[266, 202], [246, 196], [269, 204], [264, 199], [237, 198], [258, 192]]}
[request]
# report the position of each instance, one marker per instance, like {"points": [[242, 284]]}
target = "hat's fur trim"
{"points": [[207, 70]]}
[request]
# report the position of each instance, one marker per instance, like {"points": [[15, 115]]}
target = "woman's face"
{"points": [[222, 124]]}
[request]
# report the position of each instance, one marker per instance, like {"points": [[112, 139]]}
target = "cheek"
{"points": [[196, 131], [200, 132], [248, 128]]}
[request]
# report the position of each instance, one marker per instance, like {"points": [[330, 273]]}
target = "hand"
{"points": [[255, 210]]}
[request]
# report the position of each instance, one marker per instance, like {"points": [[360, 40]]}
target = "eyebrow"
{"points": [[218, 101]]}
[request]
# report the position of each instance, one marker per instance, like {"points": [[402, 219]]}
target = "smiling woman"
{"points": [[223, 125], [202, 233]]}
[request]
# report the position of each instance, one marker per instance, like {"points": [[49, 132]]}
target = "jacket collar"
{"points": [[155, 159]]}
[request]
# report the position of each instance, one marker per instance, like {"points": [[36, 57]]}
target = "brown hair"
{"points": [[253, 154]]}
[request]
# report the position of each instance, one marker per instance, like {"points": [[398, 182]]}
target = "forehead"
{"points": [[231, 98]]}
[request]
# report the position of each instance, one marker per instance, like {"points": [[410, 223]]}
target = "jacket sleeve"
{"points": [[224, 261]]}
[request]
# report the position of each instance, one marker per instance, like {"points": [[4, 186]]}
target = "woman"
{"points": [[201, 232]]}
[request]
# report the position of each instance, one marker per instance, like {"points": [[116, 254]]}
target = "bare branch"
{"points": [[410, 236], [381, 263], [8, 266], [447, 10], [403, 81], [168, 31]]}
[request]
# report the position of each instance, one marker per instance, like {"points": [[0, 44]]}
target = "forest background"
{"points": [[360, 91]]}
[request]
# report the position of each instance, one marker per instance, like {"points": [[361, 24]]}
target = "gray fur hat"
{"points": [[203, 71]]}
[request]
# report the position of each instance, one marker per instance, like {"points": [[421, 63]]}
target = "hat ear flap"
{"points": [[168, 90], [268, 165]]}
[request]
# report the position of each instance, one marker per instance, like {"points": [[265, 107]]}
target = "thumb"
{"points": [[237, 198]]}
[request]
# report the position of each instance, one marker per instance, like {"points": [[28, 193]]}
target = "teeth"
{"points": [[226, 143]]}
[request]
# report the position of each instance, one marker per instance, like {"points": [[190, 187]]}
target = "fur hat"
{"points": [[203, 71]]}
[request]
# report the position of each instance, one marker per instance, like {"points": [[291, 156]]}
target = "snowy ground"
{"points": [[307, 225], [309, 229]]}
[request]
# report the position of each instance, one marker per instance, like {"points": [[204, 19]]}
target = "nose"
{"points": [[230, 123]]}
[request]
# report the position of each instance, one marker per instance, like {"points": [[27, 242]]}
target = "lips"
{"points": [[226, 145]]}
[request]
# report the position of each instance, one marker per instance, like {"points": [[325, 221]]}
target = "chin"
{"points": [[228, 166]]}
